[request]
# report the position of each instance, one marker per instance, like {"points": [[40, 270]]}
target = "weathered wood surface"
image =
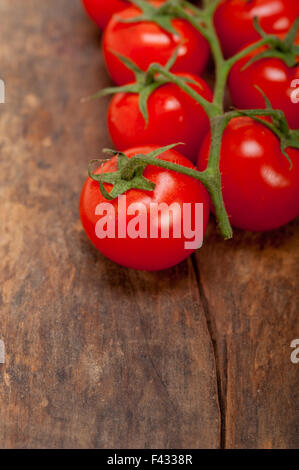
{"points": [[98, 356]]}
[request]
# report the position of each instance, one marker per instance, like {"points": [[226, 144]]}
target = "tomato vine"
{"points": [[129, 174]]}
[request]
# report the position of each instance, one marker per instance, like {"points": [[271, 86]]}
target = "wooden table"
{"points": [[99, 356]]}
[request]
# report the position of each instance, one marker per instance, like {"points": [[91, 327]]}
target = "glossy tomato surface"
{"points": [[146, 42], [260, 190], [234, 20], [147, 253], [100, 11], [271, 75], [173, 117]]}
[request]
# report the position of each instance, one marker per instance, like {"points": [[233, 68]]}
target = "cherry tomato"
{"points": [[274, 77], [173, 117], [152, 252], [146, 42], [260, 190], [234, 20], [101, 11]]}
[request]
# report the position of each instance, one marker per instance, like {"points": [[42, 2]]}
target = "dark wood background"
{"points": [[98, 356]]}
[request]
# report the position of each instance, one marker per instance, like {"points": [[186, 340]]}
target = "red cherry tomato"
{"points": [[234, 20], [149, 253], [173, 117], [101, 11], [274, 77], [146, 42], [260, 190]]}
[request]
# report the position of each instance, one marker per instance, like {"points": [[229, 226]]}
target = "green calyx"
{"points": [[279, 125], [284, 49], [121, 182], [129, 173], [161, 15], [145, 83], [172, 9]]}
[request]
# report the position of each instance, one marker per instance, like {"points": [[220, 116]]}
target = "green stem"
{"points": [[135, 161], [210, 178], [218, 125], [221, 67], [203, 21], [209, 107], [247, 50]]}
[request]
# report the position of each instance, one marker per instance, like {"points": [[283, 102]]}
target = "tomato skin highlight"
{"points": [[173, 117], [145, 43], [260, 191], [148, 254], [234, 21], [272, 76]]}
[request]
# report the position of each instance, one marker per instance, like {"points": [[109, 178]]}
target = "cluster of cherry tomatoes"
{"points": [[260, 190]]}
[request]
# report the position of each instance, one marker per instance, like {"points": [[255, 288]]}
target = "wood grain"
{"points": [[251, 298], [98, 356]]}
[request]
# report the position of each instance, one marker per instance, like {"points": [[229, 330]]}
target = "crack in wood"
{"points": [[221, 383]]}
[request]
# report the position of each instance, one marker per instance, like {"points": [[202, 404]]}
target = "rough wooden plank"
{"points": [[250, 287], [97, 356]]}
